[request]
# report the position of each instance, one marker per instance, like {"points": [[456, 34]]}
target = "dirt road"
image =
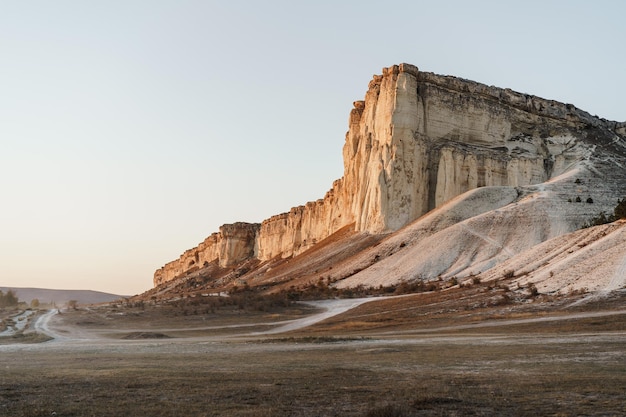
{"points": [[329, 308], [42, 324], [69, 333]]}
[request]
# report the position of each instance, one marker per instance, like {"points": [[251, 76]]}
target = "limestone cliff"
{"points": [[232, 244], [417, 141], [420, 139]]}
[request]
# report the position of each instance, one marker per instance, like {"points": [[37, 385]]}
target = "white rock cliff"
{"points": [[417, 141]]}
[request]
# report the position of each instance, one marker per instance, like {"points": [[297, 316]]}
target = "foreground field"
{"points": [[497, 361]]}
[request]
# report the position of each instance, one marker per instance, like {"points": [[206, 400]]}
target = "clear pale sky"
{"points": [[131, 130]]}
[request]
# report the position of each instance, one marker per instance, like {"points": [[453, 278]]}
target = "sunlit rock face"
{"points": [[291, 233], [420, 139], [234, 243], [416, 141]]}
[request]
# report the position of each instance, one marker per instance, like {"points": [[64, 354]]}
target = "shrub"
{"points": [[501, 300], [9, 299], [601, 218], [590, 200], [509, 273], [578, 199], [618, 213], [406, 287]]}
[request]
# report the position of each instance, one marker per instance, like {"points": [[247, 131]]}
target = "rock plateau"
{"points": [[442, 177]]}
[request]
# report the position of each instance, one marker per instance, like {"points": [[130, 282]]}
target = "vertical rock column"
{"points": [[383, 166], [237, 243]]}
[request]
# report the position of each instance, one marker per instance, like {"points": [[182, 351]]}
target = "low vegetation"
{"points": [[603, 218], [364, 378], [422, 354], [9, 299]]}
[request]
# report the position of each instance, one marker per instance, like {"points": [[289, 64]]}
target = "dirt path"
{"points": [[487, 239], [330, 308], [68, 334], [42, 324]]}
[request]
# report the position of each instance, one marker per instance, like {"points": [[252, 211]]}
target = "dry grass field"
{"points": [[420, 355]]}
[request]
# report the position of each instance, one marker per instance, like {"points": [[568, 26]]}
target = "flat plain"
{"points": [[425, 354]]}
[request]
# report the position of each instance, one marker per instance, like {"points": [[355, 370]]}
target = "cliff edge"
{"points": [[417, 141]]}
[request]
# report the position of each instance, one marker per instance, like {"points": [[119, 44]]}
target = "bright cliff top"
{"points": [[416, 142]]}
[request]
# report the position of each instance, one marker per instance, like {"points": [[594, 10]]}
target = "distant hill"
{"points": [[62, 296]]}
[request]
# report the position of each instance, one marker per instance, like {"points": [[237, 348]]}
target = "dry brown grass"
{"points": [[473, 305], [351, 378], [382, 359]]}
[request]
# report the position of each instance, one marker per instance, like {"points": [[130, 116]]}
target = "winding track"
{"points": [[330, 308], [42, 324]]}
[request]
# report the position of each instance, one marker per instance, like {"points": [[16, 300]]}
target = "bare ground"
{"points": [[441, 353]]}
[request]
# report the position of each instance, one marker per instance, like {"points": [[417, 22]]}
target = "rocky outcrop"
{"points": [[291, 233], [420, 139], [234, 243], [417, 141]]}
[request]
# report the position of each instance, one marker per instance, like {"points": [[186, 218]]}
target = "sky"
{"points": [[130, 130]]}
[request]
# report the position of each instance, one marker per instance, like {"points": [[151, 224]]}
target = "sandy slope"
{"points": [[592, 259], [533, 231]]}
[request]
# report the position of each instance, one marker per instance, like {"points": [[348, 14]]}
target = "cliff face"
{"points": [[420, 139], [415, 142], [291, 233], [234, 243]]}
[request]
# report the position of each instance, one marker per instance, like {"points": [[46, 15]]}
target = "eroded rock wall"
{"points": [[383, 168], [291, 233], [234, 243], [416, 141], [420, 139]]}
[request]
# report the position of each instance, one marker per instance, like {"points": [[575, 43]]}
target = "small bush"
{"points": [[9, 299], [590, 200], [501, 300], [618, 213], [509, 273], [406, 287], [579, 291], [600, 219]]}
